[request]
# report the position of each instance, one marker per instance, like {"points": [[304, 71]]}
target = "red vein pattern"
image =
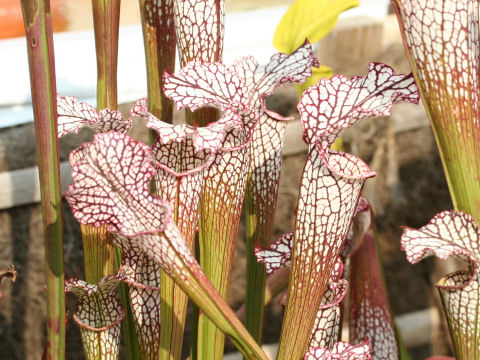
{"points": [[200, 84], [370, 316], [199, 26], [220, 210], [181, 162], [341, 351], [448, 233], [362, 222], [277, 255], [442, 41], [326, 206], [179, 180], [111, 187], [267, 142], [99, 314], [330, 186], [332, 105], [460, 296], [452, 233], [262, 80], [327, 326], [208, 139], [74, 115], [144, 291]]}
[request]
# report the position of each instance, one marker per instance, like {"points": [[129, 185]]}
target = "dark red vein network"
{"points": [[199, 27], [74, 115], [332, 105], [370, 316], [208, 139], [277, 255], [262, 80], [111, 186], [144, 292], [327, 326], [443, 40], [331, 184], [452, 233], [200, 84], [340, 351], [325, 210], [448, 233], [327, 321], [362, 222], [99, 314]]}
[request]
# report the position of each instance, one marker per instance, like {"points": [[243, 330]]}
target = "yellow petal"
{"points": [[308, 19]]}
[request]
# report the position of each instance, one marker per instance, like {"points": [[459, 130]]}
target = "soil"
{"points": [[409, 190]]}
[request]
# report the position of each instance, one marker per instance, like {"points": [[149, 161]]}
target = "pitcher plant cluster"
{"points": [[160, 219]]}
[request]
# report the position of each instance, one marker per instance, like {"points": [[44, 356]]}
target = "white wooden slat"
{"points": [[21, 187]]}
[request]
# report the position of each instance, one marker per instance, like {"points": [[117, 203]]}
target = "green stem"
{"points": [[195, 312], [38, 28], [203, 293], [256, 276], [130, 337], [106, 22], [220, 211], [98, 253]]}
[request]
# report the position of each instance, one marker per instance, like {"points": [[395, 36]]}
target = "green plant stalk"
{"points": [[128, 325], [217, 249], [203, 293], [38, 28], [106, 22], [220, 212], [202, 327], [403, 352], [195, 311], [174, 300], [101, 258], [98, 253], [274, 285], [216, 256], [256, 275]]}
